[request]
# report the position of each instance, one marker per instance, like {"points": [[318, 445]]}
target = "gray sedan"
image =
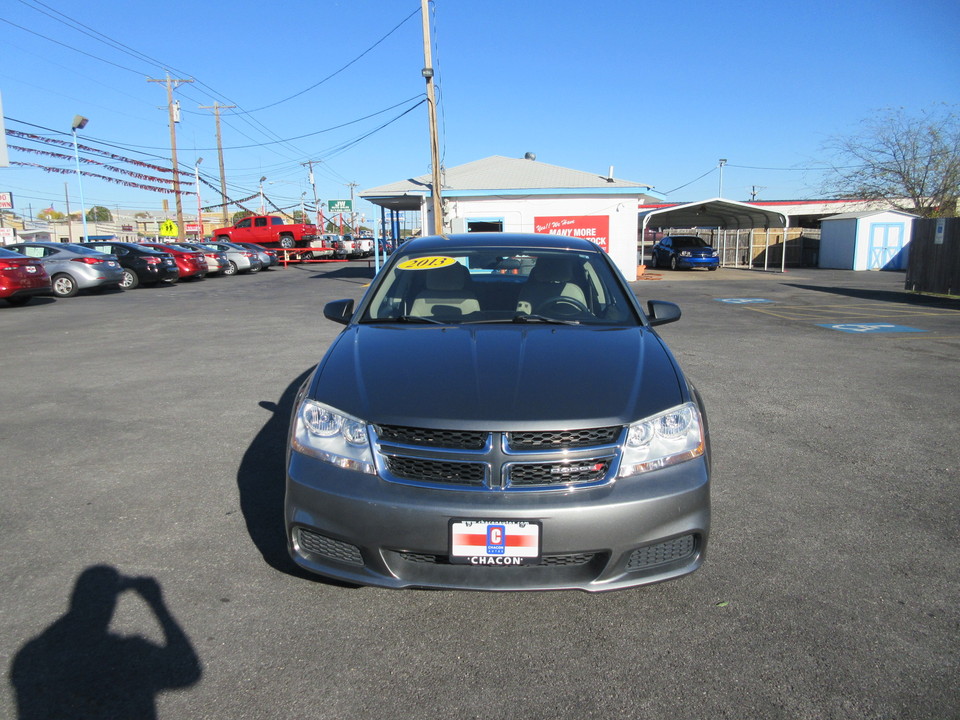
{"points": [[539, 435], [73, 267], [239, 259]]}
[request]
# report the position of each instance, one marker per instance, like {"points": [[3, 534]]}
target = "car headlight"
{"points": [[685, 253], [332, 436], [666, 439]]}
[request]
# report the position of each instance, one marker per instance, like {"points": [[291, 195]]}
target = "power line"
{"points": [[337, 72]]}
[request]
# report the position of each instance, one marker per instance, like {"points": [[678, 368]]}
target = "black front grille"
{"points": [[563, 439], [438, 471], [557, 473], [497, 460], [328, 547], [427, 437], [669, 551]]}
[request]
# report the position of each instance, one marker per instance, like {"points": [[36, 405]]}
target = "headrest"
{"points": [[551, 269], [451, 277]]}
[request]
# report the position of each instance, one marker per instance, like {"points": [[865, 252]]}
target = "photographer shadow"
{"points": [[78, 668]]}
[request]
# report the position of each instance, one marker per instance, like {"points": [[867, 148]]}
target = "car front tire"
{"points": [[673, 262]]}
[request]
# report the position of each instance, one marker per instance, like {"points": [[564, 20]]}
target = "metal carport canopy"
{"points": [[714, 213]]}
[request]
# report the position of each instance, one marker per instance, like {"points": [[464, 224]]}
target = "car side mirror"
{"points": [[661, 313], [340, 311]]}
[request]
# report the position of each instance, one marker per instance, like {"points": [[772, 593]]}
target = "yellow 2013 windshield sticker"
{"points": [[426, 263]]}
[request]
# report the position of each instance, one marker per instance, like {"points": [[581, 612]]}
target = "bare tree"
{"points": [[912, 162]]}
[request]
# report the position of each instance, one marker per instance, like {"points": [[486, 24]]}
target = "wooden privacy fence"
{"points": [[934, 262]]}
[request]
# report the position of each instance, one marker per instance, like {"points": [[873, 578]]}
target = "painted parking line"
{"points": [[743, 301], [836, 314], [871, 328]]}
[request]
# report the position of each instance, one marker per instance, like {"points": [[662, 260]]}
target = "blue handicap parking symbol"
{"points": [[870, 328], [742, 301]]}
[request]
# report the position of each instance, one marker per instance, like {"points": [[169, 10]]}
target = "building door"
{"points": [[886, 246]]}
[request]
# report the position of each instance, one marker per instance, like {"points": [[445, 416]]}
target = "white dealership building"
{"points": [[501, 194]]}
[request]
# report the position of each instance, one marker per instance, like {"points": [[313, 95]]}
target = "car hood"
{"points": [[514, 377]]}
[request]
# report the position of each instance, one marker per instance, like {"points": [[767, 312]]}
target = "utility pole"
{"points": [[723, 161], [174, 119], [353, 210], [216, 107], [316, 203], [427, 73]]}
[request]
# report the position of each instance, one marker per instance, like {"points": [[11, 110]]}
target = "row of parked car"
{"points": [[63, 269]]}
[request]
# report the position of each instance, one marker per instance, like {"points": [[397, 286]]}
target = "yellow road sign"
{"points": [[168, 228]]}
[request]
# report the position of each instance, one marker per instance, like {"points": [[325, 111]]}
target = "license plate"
{"points": [[495, 542], [30, 268]]}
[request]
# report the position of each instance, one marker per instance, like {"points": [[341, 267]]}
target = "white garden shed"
{"points": [[872, 240]]}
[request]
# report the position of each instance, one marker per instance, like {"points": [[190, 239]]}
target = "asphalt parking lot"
{"points": [[143, 438]]}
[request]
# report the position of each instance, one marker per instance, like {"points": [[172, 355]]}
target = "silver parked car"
{"points": [[73, 267], [239, 259], [268, 257]]}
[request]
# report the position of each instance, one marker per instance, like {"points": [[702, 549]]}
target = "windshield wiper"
{"points": [[528, 318], [406, 319]]}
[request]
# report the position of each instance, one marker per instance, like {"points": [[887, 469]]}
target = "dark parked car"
{"points": [[141, 265], [22, 278], [683, 251], [73, 267], [536, 434]]}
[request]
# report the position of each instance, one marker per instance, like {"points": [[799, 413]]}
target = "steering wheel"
{"points": [[559, 302]]}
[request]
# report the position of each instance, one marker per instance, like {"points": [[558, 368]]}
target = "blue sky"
{"points": [[659, 91]]}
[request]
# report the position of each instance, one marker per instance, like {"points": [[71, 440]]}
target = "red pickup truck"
{"points": [[268, 230]]}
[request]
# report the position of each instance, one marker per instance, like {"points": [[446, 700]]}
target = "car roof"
{"points": [[448, 243]]}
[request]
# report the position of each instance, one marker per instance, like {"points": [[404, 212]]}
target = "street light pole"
{"points": [[263, 207], [79, 123], [196, 170]]}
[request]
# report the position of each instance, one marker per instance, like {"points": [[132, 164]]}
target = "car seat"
{"points": [[447, 293], [551, 277]]}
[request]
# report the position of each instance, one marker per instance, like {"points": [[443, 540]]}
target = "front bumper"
{"points": [[361, 529], [697, 262]]}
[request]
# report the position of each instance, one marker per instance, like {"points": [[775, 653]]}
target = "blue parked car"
{"points": [[683, 251]]}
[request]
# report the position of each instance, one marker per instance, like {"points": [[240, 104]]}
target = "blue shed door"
{"points": [[886, 246]]}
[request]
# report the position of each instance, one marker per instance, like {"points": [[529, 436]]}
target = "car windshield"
{"points": [[689, 242], [491, 285]]}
